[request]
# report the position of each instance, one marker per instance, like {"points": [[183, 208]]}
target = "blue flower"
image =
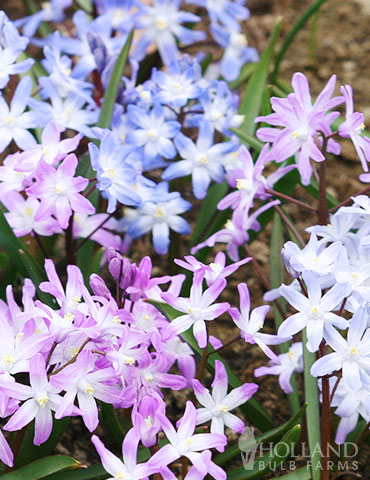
{"points": [[162, 25], [52, 11], [226, 12], [219, 107], [159, 217], [237, 52], [154, 132], [69, 112], [11, 46], [14, 121], [202, 160], [116, 178], [180, 84]]}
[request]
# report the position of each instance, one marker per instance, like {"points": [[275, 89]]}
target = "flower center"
{"points": [[160, 23], [43, 401]]}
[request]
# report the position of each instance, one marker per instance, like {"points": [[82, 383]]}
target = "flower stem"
{"points": [[349, 199], [325, 421], [290, 225], [291, 199], [322, 212], [227, 344]]}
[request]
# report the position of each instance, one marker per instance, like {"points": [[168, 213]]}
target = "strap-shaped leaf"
{"points": [[250, 105], [110, 95], [42, 468], [95, 472], [313, 410]]}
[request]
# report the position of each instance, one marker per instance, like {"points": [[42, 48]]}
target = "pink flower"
{"points": [[58, 191]]}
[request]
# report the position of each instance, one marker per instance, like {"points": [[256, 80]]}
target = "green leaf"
{"points": [[95, 472], [231, 452], [246, 72], [270, 461], [20, 258], [42, 468], [252, 409], [297, 27], [29, 452], [247, 139], [313, 409], [215, 193], [276, 279], [300, 474], [251, 103], [113, 85]]}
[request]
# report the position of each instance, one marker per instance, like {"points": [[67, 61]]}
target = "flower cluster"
{"points": [[83, 349]]}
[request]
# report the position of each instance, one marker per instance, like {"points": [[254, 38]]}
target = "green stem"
{"points": [[313, 410]]}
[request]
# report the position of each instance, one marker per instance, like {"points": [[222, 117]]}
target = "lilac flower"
{"points": [[176, 350], [235, 233], [162, 25], [10, 178], [68, 298], [198, 308], [146, 421], [14, 121], [301, 121], [248, 181], [185, 443], [250, 323], [11, 47], [40, 399], [87, 226], [352, 356], [6, 454], [160, 217], [152, 374], [154, 132], [314, 311], [21, 216], [116, 177], [132, 345], [19, 347], [58, 191], [214, 270], [128, 468], [82, 380], [51, 149], [353, 126], [284, 366], [201, 160], [216, 407]]}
